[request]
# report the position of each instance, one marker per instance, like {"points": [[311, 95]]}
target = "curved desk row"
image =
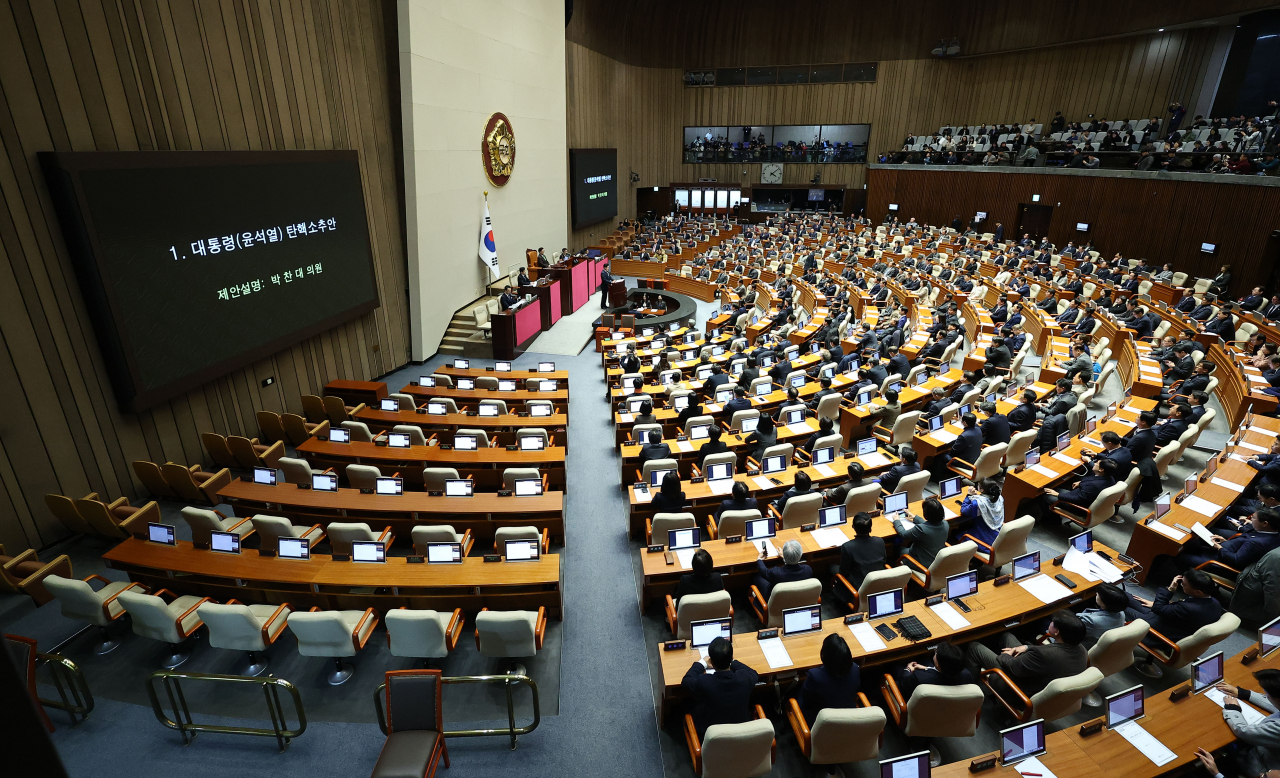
{"points": [[484, 465]]}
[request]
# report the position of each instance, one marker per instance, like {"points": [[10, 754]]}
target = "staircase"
{"points": [[462, 338]]}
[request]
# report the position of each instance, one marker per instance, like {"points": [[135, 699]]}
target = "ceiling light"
{"points": [[1161, 29]]}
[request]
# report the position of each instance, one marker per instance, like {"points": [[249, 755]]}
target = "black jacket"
{"points": [[968, 446], [691, 583], [996, 429], [858, 557], [722, 697], [1141, 443], [1023, 417]]}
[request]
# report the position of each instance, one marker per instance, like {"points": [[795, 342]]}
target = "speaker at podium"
{"points": [[617, 293]]}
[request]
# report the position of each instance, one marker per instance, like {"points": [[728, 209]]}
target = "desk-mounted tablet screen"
{"points": [[389, 405], [1022, 742], [426, 381], [522, 550], [194, 264], [464, 442], [462, 364], [1206, 672], [699, 432], [324, 482], [293, 548], [539, 410], [774, 464], [457, 487], [760, 529], [949, 488], [832, 516], [265, 475], [1269, 636], [867, 446], [465, 383], [1082, 542], [824, 455], [701, 633], [683, 538], [532, 443], [502, 367], [797, 621], [339, 435], [962, 584], [528, 487], [883, 604], [489, 410], [390, 486], [444, 553], [749, 425], [546, 367], [161, 533], [506, 385], [1127, 705], [226, 542], [368, 551], [1026, 565], [656, 476], [911, 765], [548, 386], [437, 409], [398, 440], [763, 388], [720, 471], [895, 503]]}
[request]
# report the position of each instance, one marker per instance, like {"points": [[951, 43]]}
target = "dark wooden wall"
{"points": [[108, 75], [1162, 220]]}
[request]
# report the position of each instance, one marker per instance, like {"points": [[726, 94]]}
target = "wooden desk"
{"points": [[504, 425], [994, 610], [356, 392], [320, 581], [484, 465], [483, 514], [480, 372], [1063, 756], [470, 398]]}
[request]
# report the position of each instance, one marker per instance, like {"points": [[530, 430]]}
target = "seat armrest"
{"points": [[177, 623], [863, 702], [272, 455], [670, 610], [798, 725], [758, 603], [454, 630], [695, 747], [467, 542], [215, 484], [88, 578], [803, 455], [910, 561], [840, 581], [1073, 512], [355, 410], [267, 636], [546, 540], [355, 633], [116, 503], [136, 524], [713, 529], [1020, 708], [106, 604], [648, 531], [893, 700], [387, 537], [968, 468], [1174, 650], [240, 523], [773, 511], [28, 555], [322, 534], [983, 547], [540, 628], [482, 610]]}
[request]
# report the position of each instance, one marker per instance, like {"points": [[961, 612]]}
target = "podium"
{"points": [[617, 293]]}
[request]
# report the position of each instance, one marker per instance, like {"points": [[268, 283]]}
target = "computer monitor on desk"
{"points": [[368, 551], [1022, 742], [909, 766], [1082, 542], [161, 533], [1125, 706], [1269, 636], [340, 435], [962, 584], [701, 633], [523, 550], [444, 553], [884, 604], [389, 486], [801, 620], [949, 488], [683, 538], [773, 464], [1026, 566], [293, 548], [265, 475], [895, 503], [832, 516], [528, 487], [458, 487], [1206, 672], [225, 542]]}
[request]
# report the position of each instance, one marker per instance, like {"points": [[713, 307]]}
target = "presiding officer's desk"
{"points": [[484, 465], [994, 610], [320, 581], [483, 513], [1157, 537]]}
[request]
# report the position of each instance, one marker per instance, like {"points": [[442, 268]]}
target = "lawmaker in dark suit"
{"points": [[722, 696], [1222, 326], [1172, 429], [1260, 535], [946, 669], [508, 298], [1033, 667], [714, 444], [862, 555], [1101, 476], [1023, 417], [925, 536], [670, 498], [833, 684], [790, 570], [995, 428], [1177, 620], [703, 580], [908, 466], [1141, 441], [654, 448], [606, 278], [741, 500]]}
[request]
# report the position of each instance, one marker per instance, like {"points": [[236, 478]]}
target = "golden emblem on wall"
{"points": [[498, 148]]}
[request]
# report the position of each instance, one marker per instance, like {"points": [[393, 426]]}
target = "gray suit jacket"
{"points": [[923, 540], [1263, 737]]}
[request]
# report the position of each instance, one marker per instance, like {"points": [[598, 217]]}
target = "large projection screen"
{"points": [[593, 185], [194, 264]]}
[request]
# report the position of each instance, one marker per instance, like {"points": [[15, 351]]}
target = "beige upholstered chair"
{"points": [[696, 607], [433, 478], [1182, 653], [333, 634], [838, 735], [1010, 542], [876, 581], [743, 750], [171, 621], [1062, 697], [1102, 508], [662, 523], [239, 627], [792, 594], [100, 607], [271, 528], [862, 499], [904, 430], [735, 522], [913, 485], [502, 534], [934, 711], [296, 471], [1114, 652], [424, 634], [405, 401], [363, 476], [510, 635], [359, 431], [423, 534], [951, 560], [343, 534], [416, 436], [203, 522], [799, 510], [988, 464]]}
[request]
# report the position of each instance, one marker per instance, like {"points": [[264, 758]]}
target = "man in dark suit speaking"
{"points": [[606, 278]]}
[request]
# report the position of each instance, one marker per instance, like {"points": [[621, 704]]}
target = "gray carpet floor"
{"points": [[606, 660]]}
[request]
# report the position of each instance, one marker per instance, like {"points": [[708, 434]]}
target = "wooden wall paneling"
{"points": [[144, 74]]}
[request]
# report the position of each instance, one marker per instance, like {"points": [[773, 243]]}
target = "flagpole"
{"points": [[488, 276]]}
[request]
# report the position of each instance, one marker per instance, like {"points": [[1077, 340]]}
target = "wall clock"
{"points": [[771, 173]]}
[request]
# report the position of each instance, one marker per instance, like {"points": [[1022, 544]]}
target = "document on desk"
{"points": [[1125, 422], [950, 514], [712, 407], [874, 459], [829, 537], [1034, 767], [1200, 506], [684, 446], [826, 471], [775, 653], [1146, 744], [802, 428], [626, 418], [1239, 458], [1091, 566], [1260, 430], [1251, 714], [947, 612], [1047, 472], [1062, 457], [1045, 589], [720, 486], [1225, 484], [1202, 532], [685, 557], [946, 436], [1247, 445], [1167, 531], [762, 482], [642, 496], [867, 636]]}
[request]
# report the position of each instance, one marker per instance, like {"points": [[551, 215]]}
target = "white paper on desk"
{"points": [[1102, 568], [1167, 531], [825, 470], [1226, 484], [1261, 430], [829, 537], [762, 482], [874, 459], [1034, 766], [1238, 458], [946, 436], [766, 546], [775, 653], [1045, 589], [1078, 563], [1200, 506], [720, 486], [1146, 744], [685, 557], [1251, 714], [712, 407], [1062, 457], [799, 429], [626, 418], [1044, 471], [947, 612], [684, 446], [642, 496], [1202, 532], [867, 636], [1131, 409], [1251, 447], [950, 514]]}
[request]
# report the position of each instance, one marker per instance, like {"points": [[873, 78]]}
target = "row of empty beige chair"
{"points": [[92, 516], [289, 428], [25, 574], [172, 619], [328, 408], [189, 483], [239, 451]]}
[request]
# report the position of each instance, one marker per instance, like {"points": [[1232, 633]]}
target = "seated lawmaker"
{"points": [[1033, 667], [740, 500], [1109, 613], [508, 298], [790, 570], [1260, 535], [926, 535], [722, 696], [1176, 619], [945, 668], [703, 580], [670, 498], [860, 556], [833, 684]]}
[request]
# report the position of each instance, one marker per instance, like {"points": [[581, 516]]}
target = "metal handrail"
{"points": [[507, 680], [67, 679], [187, 727]]}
